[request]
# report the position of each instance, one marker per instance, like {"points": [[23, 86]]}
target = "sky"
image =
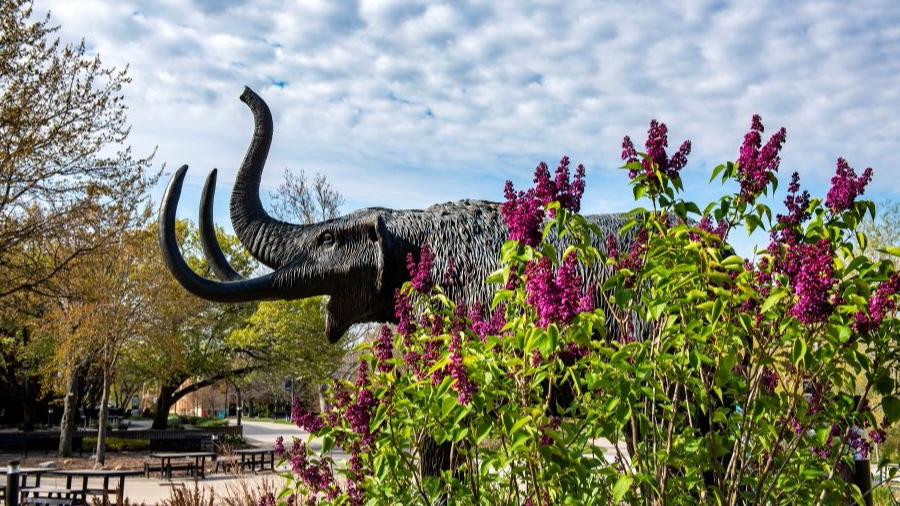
{"points": [[406, 103]]}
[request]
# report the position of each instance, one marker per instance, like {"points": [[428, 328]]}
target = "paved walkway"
{"points": [[263, 434], [151, 491]]}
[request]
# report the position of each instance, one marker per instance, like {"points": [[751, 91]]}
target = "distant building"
{"points": [[211, 401]]}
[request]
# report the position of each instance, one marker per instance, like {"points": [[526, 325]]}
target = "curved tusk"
{"points": [[245, 290], [211, 249]]}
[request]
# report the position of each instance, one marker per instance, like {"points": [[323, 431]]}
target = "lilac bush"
{"points": [[691, 375]]}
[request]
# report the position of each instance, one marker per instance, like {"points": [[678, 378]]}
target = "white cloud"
{"points": [[408, 103]]}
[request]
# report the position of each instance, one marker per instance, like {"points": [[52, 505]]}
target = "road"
{"points": [[263, 434]]}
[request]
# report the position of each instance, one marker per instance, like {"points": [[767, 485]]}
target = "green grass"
{"points": [[270, 420], [114, 444], [206, 423]]}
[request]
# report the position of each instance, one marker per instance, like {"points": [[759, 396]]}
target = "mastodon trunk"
{"points": [[263, 236]]}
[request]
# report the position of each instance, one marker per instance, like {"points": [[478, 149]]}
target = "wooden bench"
{"points": [[185, 465], [227, 463], [54, 495]]}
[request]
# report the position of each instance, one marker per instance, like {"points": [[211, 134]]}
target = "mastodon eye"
{"points": [[326, 239]]}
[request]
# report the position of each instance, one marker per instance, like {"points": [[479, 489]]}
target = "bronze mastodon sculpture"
{"points": [[358, 260]]}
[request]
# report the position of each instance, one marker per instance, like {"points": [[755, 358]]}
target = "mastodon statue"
{"points": [[358, 260]]}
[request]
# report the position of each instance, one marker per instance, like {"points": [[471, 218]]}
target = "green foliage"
{"points": [[292, 333], [706, 378], [115, 444]]}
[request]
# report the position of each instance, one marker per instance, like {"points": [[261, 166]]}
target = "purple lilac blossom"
{"points": [[880, 305], [523, 215], [486, 326], [556, 299], [720, 230], [657, 158], [758, 162], [464, 387], [279, 446], [420, 272], [810, 268], [560, 188], [524, 212], [384, 349], [612, 247], [769, 380], [403, 310], [546, 438], [303, 419], [846, 186], [356, 477], [787, 231], [859, 444]]}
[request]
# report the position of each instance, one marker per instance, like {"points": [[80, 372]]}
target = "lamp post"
{"points": [[12, 483]]}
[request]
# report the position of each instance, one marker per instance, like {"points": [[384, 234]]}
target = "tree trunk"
{"points": [[163, 404], [70, 406], [28, 407], [102, 418], [240, 406], [323, 404]]}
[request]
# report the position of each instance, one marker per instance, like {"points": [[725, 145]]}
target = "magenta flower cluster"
{"points": [[846, 186], [464, 387], [524, 212], [881, 304], [810, 268], [303, 419], [403, 311], [560, 188], [758, 162], [553, 425], [318, 477], [420, 272], [657, 158], [384, 349], [483, 325], [706, 225], [797, 204], [635, 259], [359, 414], [557, 299]]}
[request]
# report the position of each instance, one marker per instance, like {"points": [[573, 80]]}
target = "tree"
{"points": [[187, 337], [300, 201], [293, 334], [883, 231], [109, 296], [68, 182]]}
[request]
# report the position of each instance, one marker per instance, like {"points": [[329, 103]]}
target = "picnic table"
{"points": [[252, 453], [166, 467], [24, 473], [75, 492]]}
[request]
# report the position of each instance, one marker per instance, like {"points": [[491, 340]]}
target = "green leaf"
{"points": [[639, 191], [771, 300], [718, 170], [799, 350], [884, 384], [891, 406], [447, 405], [548, 344], [621, 487], [891, 250], [483, 430]]}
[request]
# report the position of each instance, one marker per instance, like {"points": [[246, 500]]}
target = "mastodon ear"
{"points": [[383, 244]]}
